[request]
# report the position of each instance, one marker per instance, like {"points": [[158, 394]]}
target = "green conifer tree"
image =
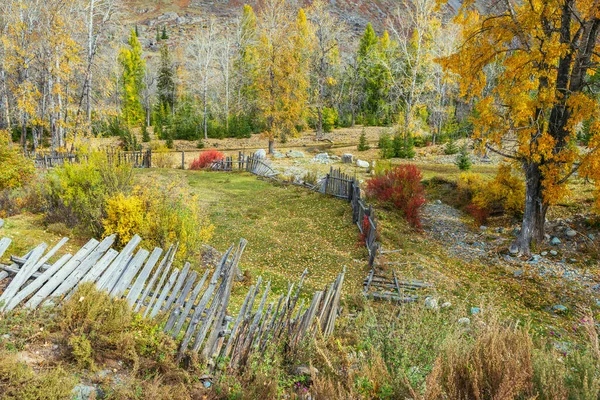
{"points": [[133, 66]]}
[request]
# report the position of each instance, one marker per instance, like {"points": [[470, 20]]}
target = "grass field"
{"points": [[288, 228]]}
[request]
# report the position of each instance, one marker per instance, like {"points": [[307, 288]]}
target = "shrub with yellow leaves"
{"points": [[124, 216], [161, 217], [504, 194], [17, 170]]}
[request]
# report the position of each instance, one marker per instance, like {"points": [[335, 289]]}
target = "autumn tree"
{"points": [[281, 81], [132, 80], [547, 51]]}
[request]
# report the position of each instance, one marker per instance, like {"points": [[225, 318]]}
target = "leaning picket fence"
{"points": [[342, 186], [195, 306]]}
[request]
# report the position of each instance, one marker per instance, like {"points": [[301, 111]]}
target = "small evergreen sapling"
{"points": [[363, 145], [451, 148], [145, 134], [463, 162]]}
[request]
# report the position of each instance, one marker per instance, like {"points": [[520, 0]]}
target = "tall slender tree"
{"points": [[133, 66]]}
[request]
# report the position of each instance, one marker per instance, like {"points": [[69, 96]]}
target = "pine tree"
{"points": [[164, 35], [463, 162], [145, 134], [451, 148], [165, 84], [363, 145], [137, 33], [132, 79]]}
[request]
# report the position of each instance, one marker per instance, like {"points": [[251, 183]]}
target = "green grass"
{"points": [[288, 229]]}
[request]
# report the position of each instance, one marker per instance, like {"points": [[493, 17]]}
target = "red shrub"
{"points": [[401, 187], [362, 236], [479, 214], [206, 158]]}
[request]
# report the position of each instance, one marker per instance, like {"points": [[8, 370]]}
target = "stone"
{"points": [[305, 370], [483, 228], [571, 233], [514, 249], [446, 304], [347, 158], [590, 235], [321, 158], [553, 252], [475, 310], [544, 253], [180, 20], [559, 308], [464, 321], [362, 163], [295, 154], [431, 303], [555, 241], [278, 154], [260, 153], [438, 201], [84, 392]]}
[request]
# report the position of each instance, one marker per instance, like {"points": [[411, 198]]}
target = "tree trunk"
{"points": [[271, 146], [319, 122], [534, 217]]}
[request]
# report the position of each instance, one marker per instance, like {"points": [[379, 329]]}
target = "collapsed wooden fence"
{"points": [[138, 158], [193, 305], [53, 158], [253, 164]]}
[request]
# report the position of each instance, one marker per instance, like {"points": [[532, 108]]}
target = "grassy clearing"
{"points": [[288, 229]]}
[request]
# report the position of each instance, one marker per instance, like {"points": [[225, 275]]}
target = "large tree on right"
{"points": [[528, 67]]}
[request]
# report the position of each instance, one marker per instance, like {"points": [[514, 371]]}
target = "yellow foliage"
{"points": [[161, 217], [505, 193], [124, 216]]}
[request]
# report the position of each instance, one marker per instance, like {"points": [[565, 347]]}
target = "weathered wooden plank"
{"points": [[113, 272], [189, 304], [155, 276], [129, 273], [222, 308], [157, 291], [4, 243], [61, 274], [138, 286], [202, 303], [178, 304], [37, 283], [174, 293], [21, 277], [164, 293], [94, 273], [79, 272], [238, 320]]}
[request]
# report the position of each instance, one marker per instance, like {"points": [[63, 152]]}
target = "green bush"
{"points": [[386, 146], [76, 193], [330, 118], [404, 146]]}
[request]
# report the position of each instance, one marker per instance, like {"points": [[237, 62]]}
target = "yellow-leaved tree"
{"points": [[282, 80], [528, 67]]}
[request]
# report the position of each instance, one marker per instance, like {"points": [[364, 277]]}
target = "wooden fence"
{"points": [[139, 159], [341, 185], [255, 165], [193, 305], [52, 158]]}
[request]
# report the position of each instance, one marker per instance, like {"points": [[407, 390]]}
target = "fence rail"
{"points": [[194, 307], [52, 159], [139, 158]]}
